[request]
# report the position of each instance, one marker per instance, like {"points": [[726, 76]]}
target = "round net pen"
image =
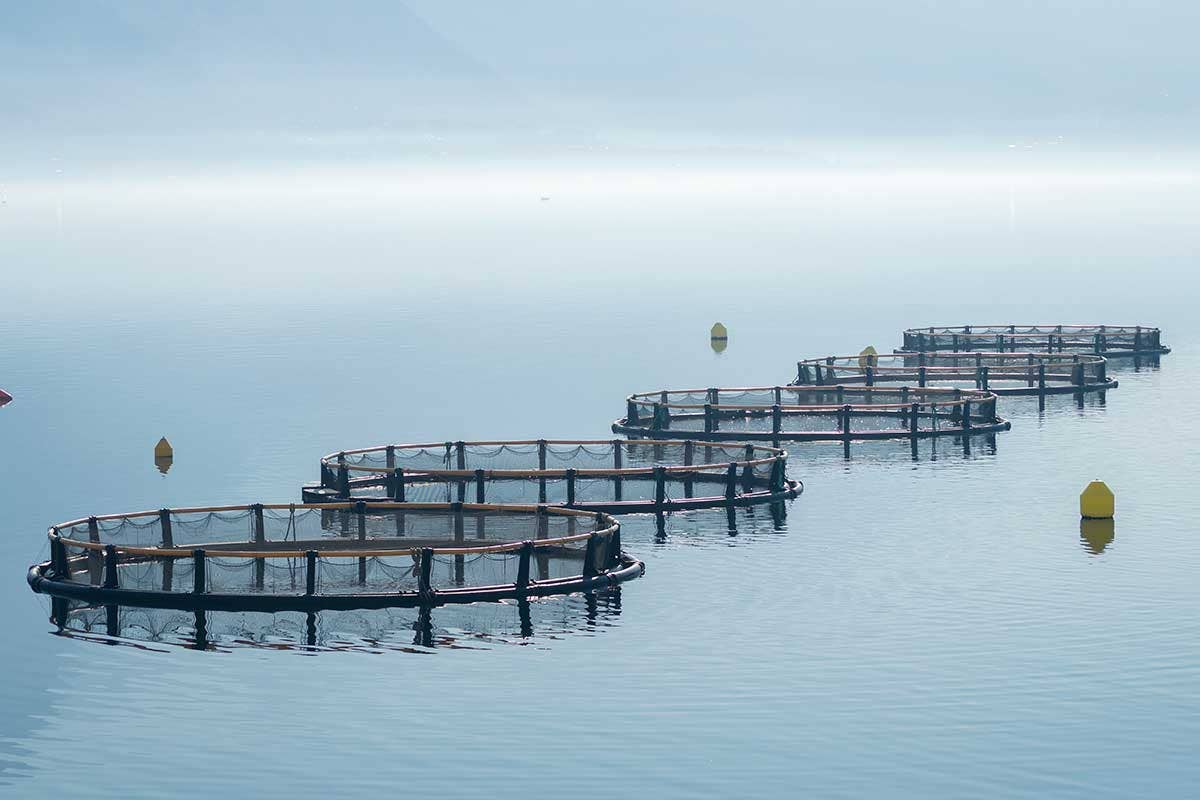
{"points": [[1101, 340], [810, 413], [613, 476], [999, 373], [332, 556]]}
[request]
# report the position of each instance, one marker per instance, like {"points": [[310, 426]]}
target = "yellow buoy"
{"points": [[867, 358], [719, 338], [1096, 501], [164, 456]]}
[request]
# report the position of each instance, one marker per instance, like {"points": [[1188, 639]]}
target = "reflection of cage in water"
{"points": [[370, 630], [810, 413], [1103, 340], [999, 373], [333, 555], [613, 476]]}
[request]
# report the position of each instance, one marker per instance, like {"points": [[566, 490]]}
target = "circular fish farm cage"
{"points": [[999, 373], [810, 413], [1101, 340], [353, 555], [613, 476]]}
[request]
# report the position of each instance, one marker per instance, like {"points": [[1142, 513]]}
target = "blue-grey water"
{"points": [[915, 628]]}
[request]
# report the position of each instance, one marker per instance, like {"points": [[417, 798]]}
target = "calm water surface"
{"points": [[936, 626]]}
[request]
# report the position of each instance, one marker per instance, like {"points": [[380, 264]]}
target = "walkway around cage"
{"points": [[1000, 373], [636, 476], [1101, 340], [348, 555], [810, 413]]}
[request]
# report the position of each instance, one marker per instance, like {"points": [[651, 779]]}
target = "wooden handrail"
{"points": [[333, 460], [531, 474], [1044, 357], [1029, 330], [350, 505], [186, 552]]}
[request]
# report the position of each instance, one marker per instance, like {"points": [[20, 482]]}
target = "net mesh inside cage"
{"points": [[1109, 340], [614, 475], [999, 373], [393, 552], [810, 413]]}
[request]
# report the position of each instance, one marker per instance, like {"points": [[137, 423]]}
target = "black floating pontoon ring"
{"points": [[613, 476], [1101, 340], [999, 373], [810, 413], [332, 556]]}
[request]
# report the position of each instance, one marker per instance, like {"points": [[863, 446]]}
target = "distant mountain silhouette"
{"points": [[858, 67], [79, 65], [863, 68]]}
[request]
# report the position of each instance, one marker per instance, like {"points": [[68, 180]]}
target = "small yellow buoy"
{"points": [[719, 338], [1096, 501], [867, 358], [164, 455]]}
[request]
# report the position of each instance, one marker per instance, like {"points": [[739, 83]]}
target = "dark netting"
{"points": [[376, 554], [811, 413], [615, 476], [1106, 340], [999, 373], [364, 630]]}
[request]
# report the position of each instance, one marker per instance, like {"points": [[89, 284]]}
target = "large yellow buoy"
{"points": [[164, 455], [1097, 501], [867, 358], [719, 338]]}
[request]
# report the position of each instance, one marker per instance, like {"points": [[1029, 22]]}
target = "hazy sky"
{"points": [[852, 67]]}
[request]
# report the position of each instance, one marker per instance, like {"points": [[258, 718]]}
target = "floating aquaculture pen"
{"points": [[810, 413], [999, 373], [1102, 340], [613, 476], [331, 556]]}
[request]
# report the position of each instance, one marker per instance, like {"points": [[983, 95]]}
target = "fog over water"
{"points": [[272, 230]]}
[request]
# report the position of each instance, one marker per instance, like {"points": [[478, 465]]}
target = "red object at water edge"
{"points": [[5, 398]]}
